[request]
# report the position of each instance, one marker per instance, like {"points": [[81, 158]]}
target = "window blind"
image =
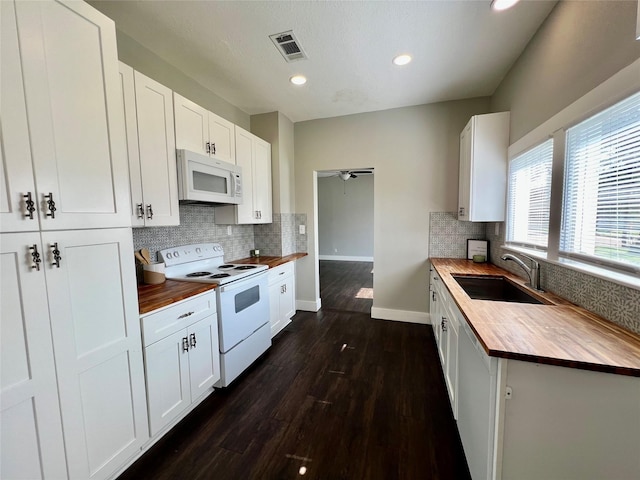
{"points": [[529, 193], [601, 203]]}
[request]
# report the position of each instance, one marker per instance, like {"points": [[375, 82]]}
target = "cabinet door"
{"points": [[262, 197], [154, 107], [167, 373], [31, 443], [287, 299], [192, 125], [464, 178], [96, 339], [204, 357], [274, 307], [127, 87], [222, 138], [16, 173], [244, 156], [70, 70]]}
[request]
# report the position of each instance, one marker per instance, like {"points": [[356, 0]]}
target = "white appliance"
{"points": [[242, 298], [204, 179]]}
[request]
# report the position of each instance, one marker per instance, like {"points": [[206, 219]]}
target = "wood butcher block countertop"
{"points": [[152, 297], [558, 333], [270, 262]]}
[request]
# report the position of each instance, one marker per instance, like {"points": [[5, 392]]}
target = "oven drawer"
{"points": [[156, 326]]}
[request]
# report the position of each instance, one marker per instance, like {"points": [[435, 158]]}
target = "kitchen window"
{"points": [[601, 207], [573, 196], [529, 195]]}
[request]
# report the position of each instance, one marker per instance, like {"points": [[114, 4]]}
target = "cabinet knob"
{"points": [[51, 205], [56, 255], [35, 257], [29, 206]]}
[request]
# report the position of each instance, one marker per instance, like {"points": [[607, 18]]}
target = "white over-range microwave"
{"points": [[204, 179]]}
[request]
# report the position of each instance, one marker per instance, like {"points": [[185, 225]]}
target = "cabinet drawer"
{"points": [[280, 272], [163, 323]]}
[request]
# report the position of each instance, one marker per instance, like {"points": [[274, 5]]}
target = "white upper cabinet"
{"points": [[70, 78], [151, 150], [483, 168], [254, 156], [16, 173], [202, 131]]}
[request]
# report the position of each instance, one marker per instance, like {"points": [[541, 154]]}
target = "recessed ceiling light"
{"points": [[402, 59], [298, 79], [503, 4]]}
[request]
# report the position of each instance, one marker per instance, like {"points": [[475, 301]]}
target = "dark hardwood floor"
{"points": [[340, 394], [346, 286]]}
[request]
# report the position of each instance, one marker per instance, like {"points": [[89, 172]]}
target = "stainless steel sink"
{"points": [[493, 287]]}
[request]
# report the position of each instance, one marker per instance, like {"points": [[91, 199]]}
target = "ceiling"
{"points": [[460, 48]]}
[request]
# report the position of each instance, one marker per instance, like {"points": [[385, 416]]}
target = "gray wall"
{"points": [[580, 45], [151, 65], [345, 216], [414, 151]]}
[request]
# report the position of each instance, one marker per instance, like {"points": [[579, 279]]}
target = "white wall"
{"points": [[414, 151], [345, 217]]}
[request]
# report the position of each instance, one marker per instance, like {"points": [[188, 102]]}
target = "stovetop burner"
{"points": [[224, 267], [245, 267], [198, 274], [220, 275]]}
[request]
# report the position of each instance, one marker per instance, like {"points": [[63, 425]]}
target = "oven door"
{"points": [[243, 307]]}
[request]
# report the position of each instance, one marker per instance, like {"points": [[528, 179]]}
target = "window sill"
{"points": [[625, 279]]}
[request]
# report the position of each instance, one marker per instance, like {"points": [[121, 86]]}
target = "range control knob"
{"points": [[176, 254], [198, 250]]}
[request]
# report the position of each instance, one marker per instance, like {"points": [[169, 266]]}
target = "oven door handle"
{"points": [[238, 284]]}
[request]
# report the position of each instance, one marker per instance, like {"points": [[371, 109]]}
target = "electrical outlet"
{"points": [[302, 229], [229, 230], [508, 393], [497, 230]]}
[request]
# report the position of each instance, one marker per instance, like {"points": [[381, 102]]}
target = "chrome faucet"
{"points": [[533, 272]]}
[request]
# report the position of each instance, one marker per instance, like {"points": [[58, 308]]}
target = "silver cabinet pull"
{"points": [[51, 205], [29, 206], [35, 257], [208, 147], [149, 212], [140, 210], [213, 147], [56, 255], [192, 340], [185, 344], [185, 315], [443, 324]]}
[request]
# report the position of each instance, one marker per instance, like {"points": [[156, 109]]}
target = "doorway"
{"points": [[345, 239]]}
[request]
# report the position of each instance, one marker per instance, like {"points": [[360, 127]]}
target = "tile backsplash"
{"points": [[448, 237], [281, 237], [197, 225]]}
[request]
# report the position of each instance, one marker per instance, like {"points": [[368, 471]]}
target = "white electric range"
{"points": [[242, 300]]}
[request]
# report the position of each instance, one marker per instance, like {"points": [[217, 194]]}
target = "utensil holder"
{"points": [[153, 273]]}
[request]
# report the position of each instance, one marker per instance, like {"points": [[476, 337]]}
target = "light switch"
{"points": [[303, 229]]}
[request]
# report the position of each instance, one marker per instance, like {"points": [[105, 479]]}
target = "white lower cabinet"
{"points": [[281, 296], [527, 421], [71, 296], [181, 357]]}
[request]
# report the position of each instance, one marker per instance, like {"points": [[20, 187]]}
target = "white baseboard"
{"points": [[345, 258], [400, 315], [308, 305]]}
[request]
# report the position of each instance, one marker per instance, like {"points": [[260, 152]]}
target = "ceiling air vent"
{"points": [[288, 45]]}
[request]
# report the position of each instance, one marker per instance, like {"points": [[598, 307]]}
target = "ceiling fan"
{"points": [[347, 174]]}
